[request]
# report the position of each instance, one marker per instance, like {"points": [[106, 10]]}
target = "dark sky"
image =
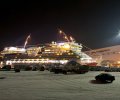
{"points": [[95, 23]]}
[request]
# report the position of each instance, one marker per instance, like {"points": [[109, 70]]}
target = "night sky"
{"points": [[94, 23]]}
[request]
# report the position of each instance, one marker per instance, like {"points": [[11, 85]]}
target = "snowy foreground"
{"points": [[38, 85]]}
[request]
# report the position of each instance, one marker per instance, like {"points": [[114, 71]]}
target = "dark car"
{"points": [[71, 66], [105, 77]]}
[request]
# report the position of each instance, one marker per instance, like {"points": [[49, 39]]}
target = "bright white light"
{"points": [[60, 31], [67, 46], [119, 34], [22, 49], [61, 43], [12, 48]]}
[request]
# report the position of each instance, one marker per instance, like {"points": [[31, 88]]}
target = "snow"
{"points": [[44, 85]]}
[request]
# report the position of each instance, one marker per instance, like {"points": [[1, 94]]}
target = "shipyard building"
{"points": [[108, 56]]}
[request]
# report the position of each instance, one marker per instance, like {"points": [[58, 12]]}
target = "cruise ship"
{"points": [[54, 52]]}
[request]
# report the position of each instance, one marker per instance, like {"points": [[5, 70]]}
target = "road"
{"points": [[44, 85]]}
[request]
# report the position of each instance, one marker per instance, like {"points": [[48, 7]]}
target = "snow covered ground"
{"points": [[38, 85]]}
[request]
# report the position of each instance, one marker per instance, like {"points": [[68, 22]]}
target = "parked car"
{"points": [[72, 66], [6, 67], [105, 77]]}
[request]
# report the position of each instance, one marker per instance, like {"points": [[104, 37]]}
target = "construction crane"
{"points": [[26, 41]]}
